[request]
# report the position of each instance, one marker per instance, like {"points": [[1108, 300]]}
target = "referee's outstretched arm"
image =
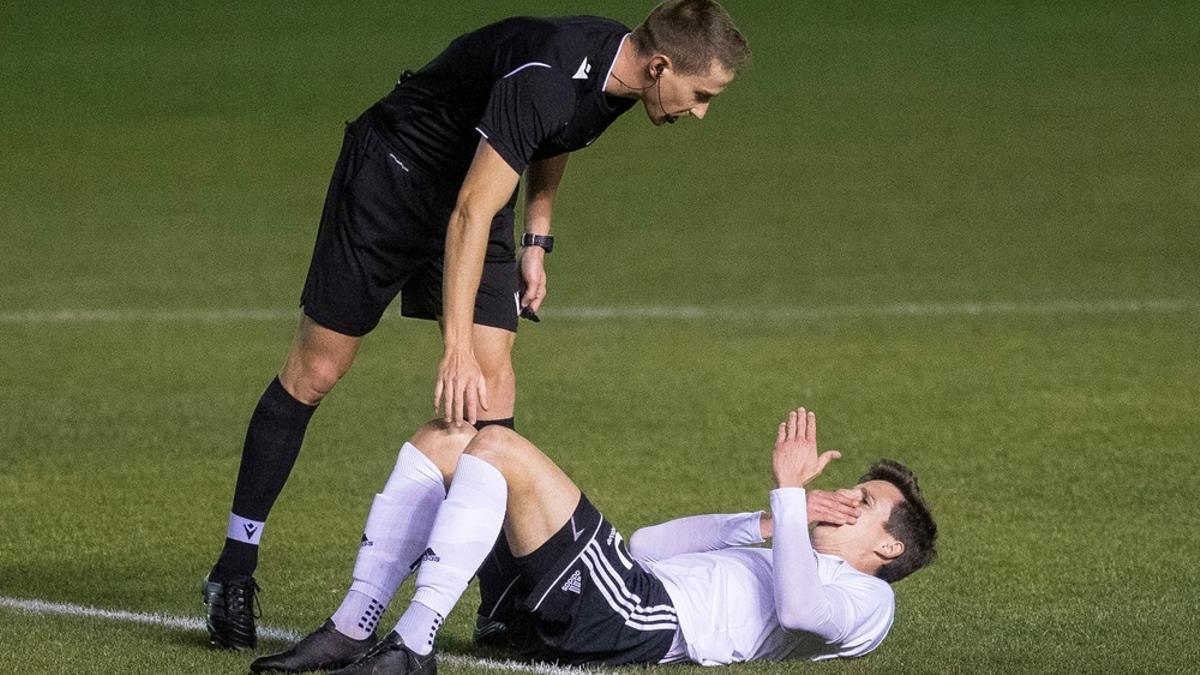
{"points": [[460, 391]]}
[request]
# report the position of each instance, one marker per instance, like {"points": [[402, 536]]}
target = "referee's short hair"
{"points": [[693, 33], [910, 521]]}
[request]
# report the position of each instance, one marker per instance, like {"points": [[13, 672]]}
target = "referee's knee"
{"points": [[311, 381]]}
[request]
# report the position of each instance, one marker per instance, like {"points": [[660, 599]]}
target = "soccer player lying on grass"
{"points": [[561, 585]]}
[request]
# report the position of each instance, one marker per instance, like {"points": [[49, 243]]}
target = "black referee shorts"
{"points": [[579, 598], [383, 233]]}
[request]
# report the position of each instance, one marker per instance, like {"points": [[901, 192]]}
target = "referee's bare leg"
{"points": [[317, 358], [493, 352]]}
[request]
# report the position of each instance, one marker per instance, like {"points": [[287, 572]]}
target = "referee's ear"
{"points": [[658, 64]]}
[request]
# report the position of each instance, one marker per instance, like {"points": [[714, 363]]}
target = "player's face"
{"points": [[878, 498], [673, 96]]}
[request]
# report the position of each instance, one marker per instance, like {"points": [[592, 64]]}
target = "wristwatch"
{"points": [[546, 241]]}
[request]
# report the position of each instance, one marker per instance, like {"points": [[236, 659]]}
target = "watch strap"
{"points": [[545, 241]]}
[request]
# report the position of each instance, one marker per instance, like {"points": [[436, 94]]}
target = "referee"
{"points": [[421, 204]]}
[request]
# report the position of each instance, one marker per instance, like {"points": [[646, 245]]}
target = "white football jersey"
{"points": [[725, 597]]}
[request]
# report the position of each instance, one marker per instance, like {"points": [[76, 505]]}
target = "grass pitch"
{"points": [[965, 235]]}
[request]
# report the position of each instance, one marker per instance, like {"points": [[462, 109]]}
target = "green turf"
{"points": [[174, 157]]}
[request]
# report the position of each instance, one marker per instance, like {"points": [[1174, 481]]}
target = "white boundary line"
{"points": [[190, 623], [654, 312]]}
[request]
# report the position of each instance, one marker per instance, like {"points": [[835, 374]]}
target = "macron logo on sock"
{"points": [[244, 530]]}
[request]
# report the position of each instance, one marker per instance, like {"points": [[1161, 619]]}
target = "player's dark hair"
{"points": [[910, 521], [693, 33]]}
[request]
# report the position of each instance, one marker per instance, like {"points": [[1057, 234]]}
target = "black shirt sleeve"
{"points": [[526, 107]]}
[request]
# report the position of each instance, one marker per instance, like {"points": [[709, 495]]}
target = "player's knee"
{"points": [[436, 438], [495, 445]]}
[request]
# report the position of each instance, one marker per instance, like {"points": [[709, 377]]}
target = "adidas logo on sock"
{"points": [[428, 556], [574, 584], [365, 541]]}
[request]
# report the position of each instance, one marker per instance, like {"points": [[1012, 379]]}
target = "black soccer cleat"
{"points": [[323, 649], [231, 613], [490, 633], [389, 656], [515, 635]]}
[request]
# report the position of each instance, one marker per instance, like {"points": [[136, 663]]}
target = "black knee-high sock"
{"points": [[272, 444]]}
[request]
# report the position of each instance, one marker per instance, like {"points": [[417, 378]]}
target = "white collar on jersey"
{"points": [[604, 87]]}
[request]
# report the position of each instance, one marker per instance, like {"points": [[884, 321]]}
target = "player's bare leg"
{"points": [[501, 483], [394, 541], [541, 497]]}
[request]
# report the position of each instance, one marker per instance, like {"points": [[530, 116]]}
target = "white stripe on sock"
{"points": [[244, 530]]}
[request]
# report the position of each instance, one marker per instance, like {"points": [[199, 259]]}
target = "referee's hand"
{"points": [[533, 280], [460, 392]]}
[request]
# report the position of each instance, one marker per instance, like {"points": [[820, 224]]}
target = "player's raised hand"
{"points": [[461, 391], [795, 460]]}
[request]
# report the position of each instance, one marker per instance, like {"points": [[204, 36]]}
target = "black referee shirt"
{"points": [[533, 87]]}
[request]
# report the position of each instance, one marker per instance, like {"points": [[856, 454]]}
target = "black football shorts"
{"points": [[382, 233], [580, 598]]}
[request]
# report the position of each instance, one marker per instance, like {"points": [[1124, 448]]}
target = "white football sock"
{"points": [[396, 533], [358, 615], [463, 534], [418, 626]]}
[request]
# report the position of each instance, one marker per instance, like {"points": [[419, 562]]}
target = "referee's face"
{"points": [[676, 96]]}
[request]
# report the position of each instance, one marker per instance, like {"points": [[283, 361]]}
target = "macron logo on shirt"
{"points": [[584, 70]]}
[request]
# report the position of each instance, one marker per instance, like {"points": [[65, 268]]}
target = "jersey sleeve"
{"points": [[525, 107], [849, 613], [696, 534]]}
